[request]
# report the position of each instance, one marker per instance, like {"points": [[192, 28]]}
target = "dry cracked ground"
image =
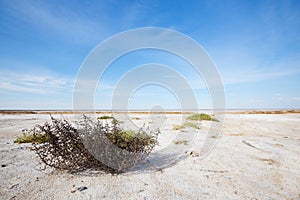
{"points": [[257, 157]]}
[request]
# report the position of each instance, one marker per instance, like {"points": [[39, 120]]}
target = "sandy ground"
{"points": [[257, 157]]}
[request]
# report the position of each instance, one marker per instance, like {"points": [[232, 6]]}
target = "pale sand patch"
{"points": [[256, 157]]}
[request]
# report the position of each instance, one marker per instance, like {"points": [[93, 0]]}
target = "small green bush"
{"points": [[128, 139], [30, 138], [114, 120], [202, 116], [105, 117]]}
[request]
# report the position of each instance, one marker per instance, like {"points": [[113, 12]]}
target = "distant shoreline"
{"points": [[230, 111]]}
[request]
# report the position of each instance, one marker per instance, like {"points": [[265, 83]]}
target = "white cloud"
{"points": [[296, 98], [33, 83], [19, 88], [245, 74]]}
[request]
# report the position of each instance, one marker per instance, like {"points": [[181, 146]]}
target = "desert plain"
{"points": [[256, 156]]}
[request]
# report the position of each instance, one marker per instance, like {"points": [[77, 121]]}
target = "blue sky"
{"points": [[254, 44]]}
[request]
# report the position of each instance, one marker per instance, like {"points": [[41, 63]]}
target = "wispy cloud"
{"points": [[33, 83], [254, 75]]}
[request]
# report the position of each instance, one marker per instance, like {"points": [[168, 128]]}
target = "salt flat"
{"points": [[257, 157]]}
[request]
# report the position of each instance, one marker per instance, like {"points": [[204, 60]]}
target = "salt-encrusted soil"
{"points": [[257, 157]]}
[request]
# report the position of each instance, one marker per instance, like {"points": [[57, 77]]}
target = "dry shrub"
{"points": [[93, 145]]}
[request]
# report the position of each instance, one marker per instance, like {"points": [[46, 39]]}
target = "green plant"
{"points": [[202, 116], [190, 124], [105, 117], [128, 139], [30, 138]]}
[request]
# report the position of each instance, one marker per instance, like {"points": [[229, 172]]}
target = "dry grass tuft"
{"points": [[181, 142], [185, 125], [202, 116]]}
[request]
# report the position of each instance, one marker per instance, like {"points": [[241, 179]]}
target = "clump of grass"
{"points": [[126, 139], [181, 142], [178, 127], [115, 121], [136, 118], [190, 124], [202, 116], [105, 117], [185, 125], [30, 138]]}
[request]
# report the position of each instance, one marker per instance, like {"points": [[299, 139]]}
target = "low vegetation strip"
{"points": [[30, 138], [202, 116], [105, 117], [185, 125], [184, 142]]}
